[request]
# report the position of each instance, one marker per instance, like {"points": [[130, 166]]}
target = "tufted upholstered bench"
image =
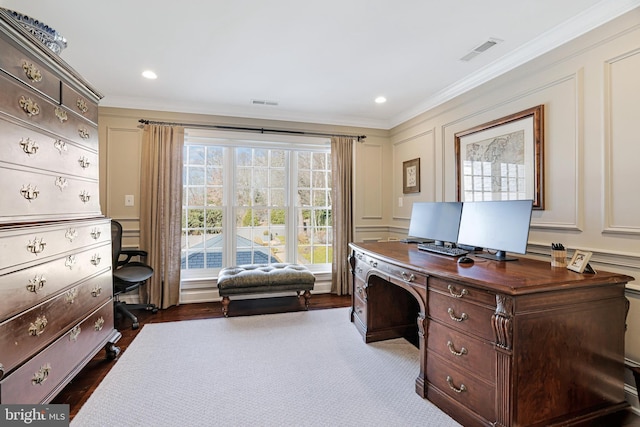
{"points": [[262, 279]]}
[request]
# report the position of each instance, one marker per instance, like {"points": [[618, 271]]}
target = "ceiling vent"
{"points": [[482, 48], [264, 102]]}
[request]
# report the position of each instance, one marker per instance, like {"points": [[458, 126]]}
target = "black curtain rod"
{"points": [[359, 138]]}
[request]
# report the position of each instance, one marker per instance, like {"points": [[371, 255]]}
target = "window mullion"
{"points": [[229, 208]]}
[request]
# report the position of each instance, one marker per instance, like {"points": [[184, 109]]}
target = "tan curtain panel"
{"points": [[342, 212], [161, 210]]}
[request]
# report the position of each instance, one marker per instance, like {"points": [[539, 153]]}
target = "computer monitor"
{"points": [[499, 225], [436, 221]]}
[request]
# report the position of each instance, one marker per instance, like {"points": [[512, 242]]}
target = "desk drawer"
{"points": [[462, 292], [403, 275], [464, 315], [360, 309], [461, 386], [39, 378], [361, 269], [462, 350]]}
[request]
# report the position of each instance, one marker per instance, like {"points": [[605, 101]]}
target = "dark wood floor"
{"points": [[78, 391]]}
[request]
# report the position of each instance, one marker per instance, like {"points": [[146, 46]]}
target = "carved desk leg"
{"points": [[421, 381], [501, 322]]}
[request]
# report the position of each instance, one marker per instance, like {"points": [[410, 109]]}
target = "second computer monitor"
{"points": [[437, 221], [499, 225]]}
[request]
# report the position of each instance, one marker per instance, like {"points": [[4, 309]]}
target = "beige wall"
{"points": [[590, 90], [120, 148]]}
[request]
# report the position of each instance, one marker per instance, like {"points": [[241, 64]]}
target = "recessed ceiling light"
{"points": [[148, 74], [381, 100]]}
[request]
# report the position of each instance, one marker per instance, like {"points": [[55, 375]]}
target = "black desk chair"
{"points": [[128, 275]]}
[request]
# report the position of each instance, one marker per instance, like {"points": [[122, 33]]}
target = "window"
{"points": [[249, 200], [484, 180]]}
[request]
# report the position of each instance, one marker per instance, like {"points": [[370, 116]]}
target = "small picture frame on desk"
{"points": [[580, 262]]}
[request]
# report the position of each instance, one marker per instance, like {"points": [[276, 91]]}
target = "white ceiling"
{"points": [[322, 61]]}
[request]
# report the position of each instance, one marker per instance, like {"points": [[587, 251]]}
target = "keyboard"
{"points": [[442, 250]]}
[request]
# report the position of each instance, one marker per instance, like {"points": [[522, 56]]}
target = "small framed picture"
{"points": [[411, 176], [579, 261]]}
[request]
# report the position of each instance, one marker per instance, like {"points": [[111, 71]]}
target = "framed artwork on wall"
{"points": [[502, 159], [411, 176]]}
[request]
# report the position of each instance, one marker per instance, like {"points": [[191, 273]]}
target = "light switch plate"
{"points": [[128, 200]]}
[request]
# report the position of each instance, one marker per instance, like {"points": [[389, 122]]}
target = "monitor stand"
{"points": [[498, 256]]}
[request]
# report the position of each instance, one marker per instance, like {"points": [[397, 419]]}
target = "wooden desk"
{"points": [[501, 343]]}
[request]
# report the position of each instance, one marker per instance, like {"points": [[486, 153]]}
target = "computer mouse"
{"points": [[465, 260]]}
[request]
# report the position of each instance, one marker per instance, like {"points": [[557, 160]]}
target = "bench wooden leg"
{"points": [[307, 295], [225, 306]]}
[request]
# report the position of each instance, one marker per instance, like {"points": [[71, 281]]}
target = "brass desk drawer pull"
{"points": [[408, 278], [455, 352], [452, 315], [453, 387], [453, 293]]}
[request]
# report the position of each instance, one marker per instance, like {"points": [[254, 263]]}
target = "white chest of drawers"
{"points": [[56, 304]]}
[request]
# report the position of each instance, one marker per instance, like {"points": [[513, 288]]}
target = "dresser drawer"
{"points": [[462, 350], [79, 104], [29, 70], [25, 288], [31, 195], [34, 245], [26, 334], [41, 378], [22, 145], [461, 386], [18, 101], [467, 316]]}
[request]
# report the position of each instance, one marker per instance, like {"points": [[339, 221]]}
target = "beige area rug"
{"points": [[307, 368]]}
